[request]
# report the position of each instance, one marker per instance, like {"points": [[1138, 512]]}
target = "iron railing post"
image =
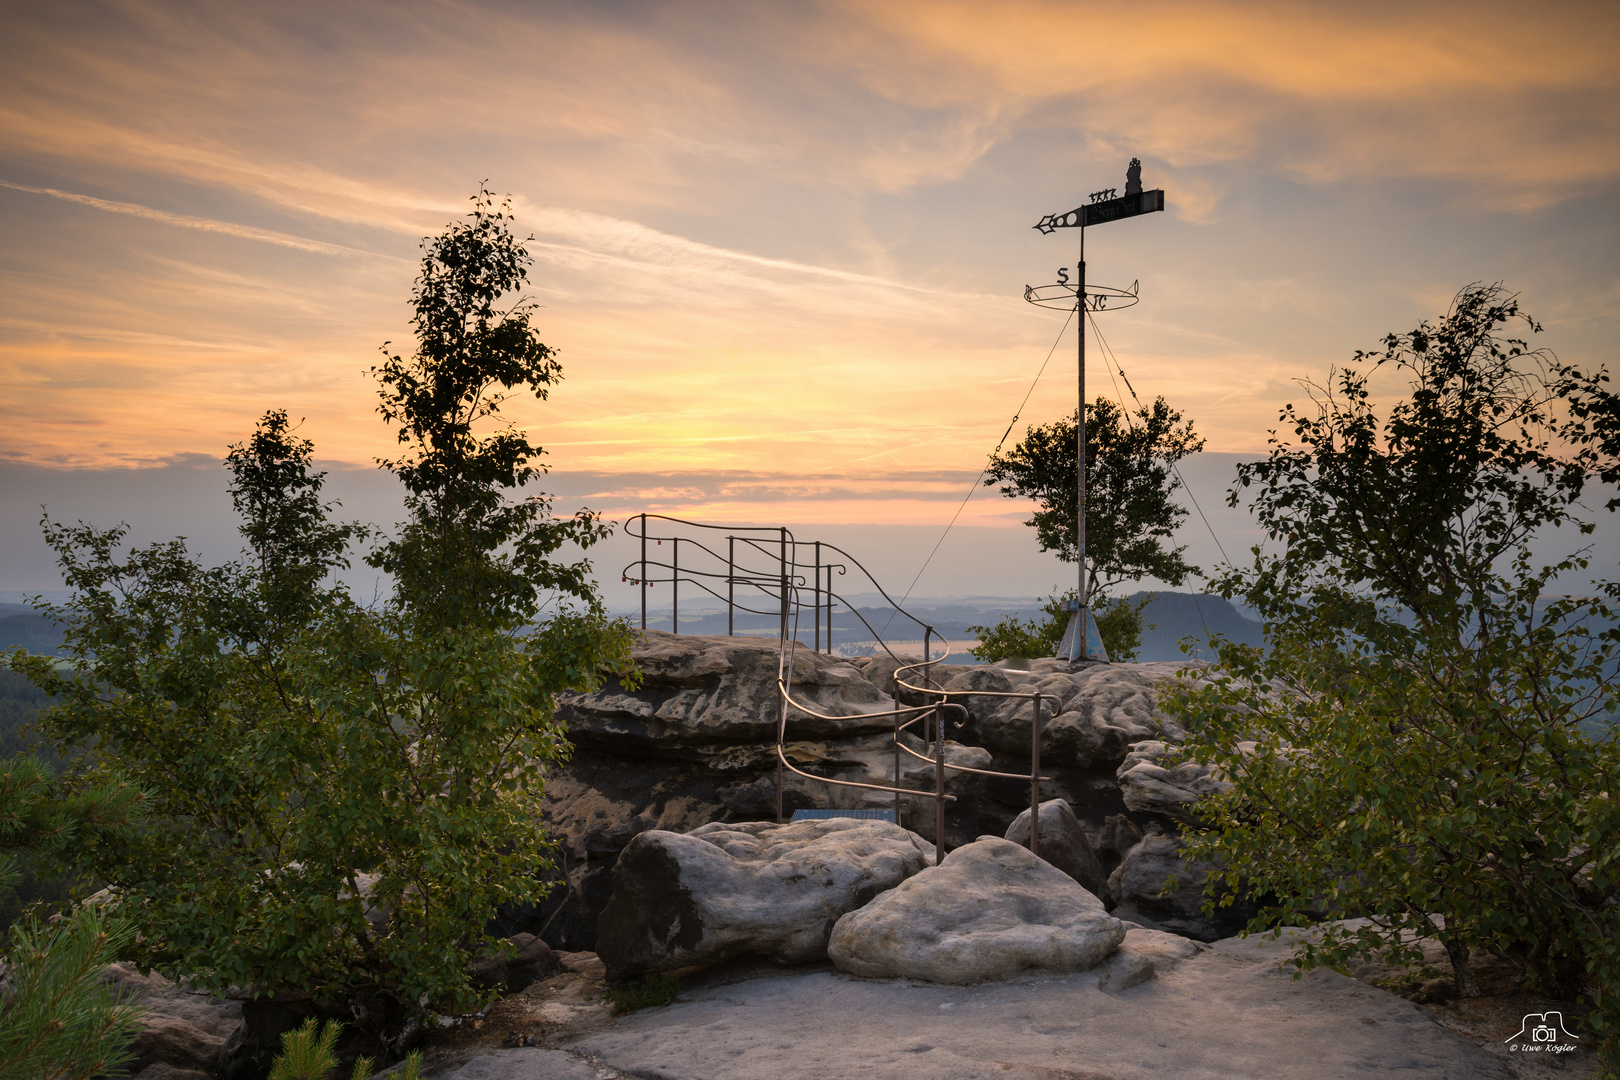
{"points": [[1035, 778], [939, 787], [897, 820], [781, 715], [731, 584], [829, 610], [816, 594], [644, 571], [781, 746], [782, 561], [675, 586]]}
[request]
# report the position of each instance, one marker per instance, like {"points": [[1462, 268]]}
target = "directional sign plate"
{"points": [[1099, 212]]}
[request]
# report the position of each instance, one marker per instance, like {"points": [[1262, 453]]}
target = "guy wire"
{"points": [[975, 485], [1114, 363]]}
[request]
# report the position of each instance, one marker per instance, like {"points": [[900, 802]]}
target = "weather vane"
{"points": [[1081, 640]]}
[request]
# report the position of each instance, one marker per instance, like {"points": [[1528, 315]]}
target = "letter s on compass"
{"points": [[1063, 275]]}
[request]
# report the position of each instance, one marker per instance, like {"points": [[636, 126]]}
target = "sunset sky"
{"points": [[781, 247]]}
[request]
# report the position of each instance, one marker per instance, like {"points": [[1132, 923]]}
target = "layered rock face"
{"points": [[723, 890], [694, 744], [989, 911], [183, 1033]]}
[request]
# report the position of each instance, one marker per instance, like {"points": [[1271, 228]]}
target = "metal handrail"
{"points": [[787, 585]]}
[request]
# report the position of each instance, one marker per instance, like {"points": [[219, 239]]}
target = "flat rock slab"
{"points": [[1227, 1012]]}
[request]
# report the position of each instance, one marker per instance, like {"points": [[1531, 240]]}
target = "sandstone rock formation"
{"points": [[1157, 887], [694, 744], [1063, 843], [528, 960], [182, 1033], [760, 888], [1153, 780], [989, 911]]}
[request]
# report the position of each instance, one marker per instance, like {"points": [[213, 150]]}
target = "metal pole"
{"points": [[928, 659], [644, 571], [781, 696], [782, 566], [1035, 778], [939, 787], [1080, 627], [897, 820], [731, 583], [830, 611], [675, 587], [817, 593]]}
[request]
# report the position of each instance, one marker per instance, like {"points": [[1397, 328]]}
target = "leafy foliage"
{"points": [[1129, 485], [347, 766], [1119, 624], [310, 1053], [1415, 754], [57, 1018], [340, 797], [650, 992]]}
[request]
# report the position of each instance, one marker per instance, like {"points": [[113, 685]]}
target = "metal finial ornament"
{"points": [[1080, 639], [1133, 177]]}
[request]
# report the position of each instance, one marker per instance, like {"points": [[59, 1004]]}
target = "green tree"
{"points": [[469, 553], [58, 1019], [1119, 624], [1415, 752], [342, 797], [1130, 484]]}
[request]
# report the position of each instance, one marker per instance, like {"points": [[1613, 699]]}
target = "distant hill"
{"points": [[21, 626], [1173, 615]]}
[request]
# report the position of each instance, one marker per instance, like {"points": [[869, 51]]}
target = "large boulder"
{"points": [[1155, 780], [726, 890], [1158, 887], [1063, 843], [694, 744], [989, 911]]}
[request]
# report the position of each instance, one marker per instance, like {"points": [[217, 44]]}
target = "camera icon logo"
{"points": [[1544, 1030]]}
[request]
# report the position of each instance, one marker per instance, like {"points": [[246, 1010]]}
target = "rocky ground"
{"points": [[1226, 1011], [830, 948]]}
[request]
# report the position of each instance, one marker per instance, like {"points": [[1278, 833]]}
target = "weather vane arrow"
{"points": [[1107, 205]]}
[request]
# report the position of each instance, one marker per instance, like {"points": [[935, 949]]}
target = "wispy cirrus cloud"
{"points": [[187, 221], [785, 238]]}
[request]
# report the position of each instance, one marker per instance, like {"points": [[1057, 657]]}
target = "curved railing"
{"points": [[766, 562]]}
